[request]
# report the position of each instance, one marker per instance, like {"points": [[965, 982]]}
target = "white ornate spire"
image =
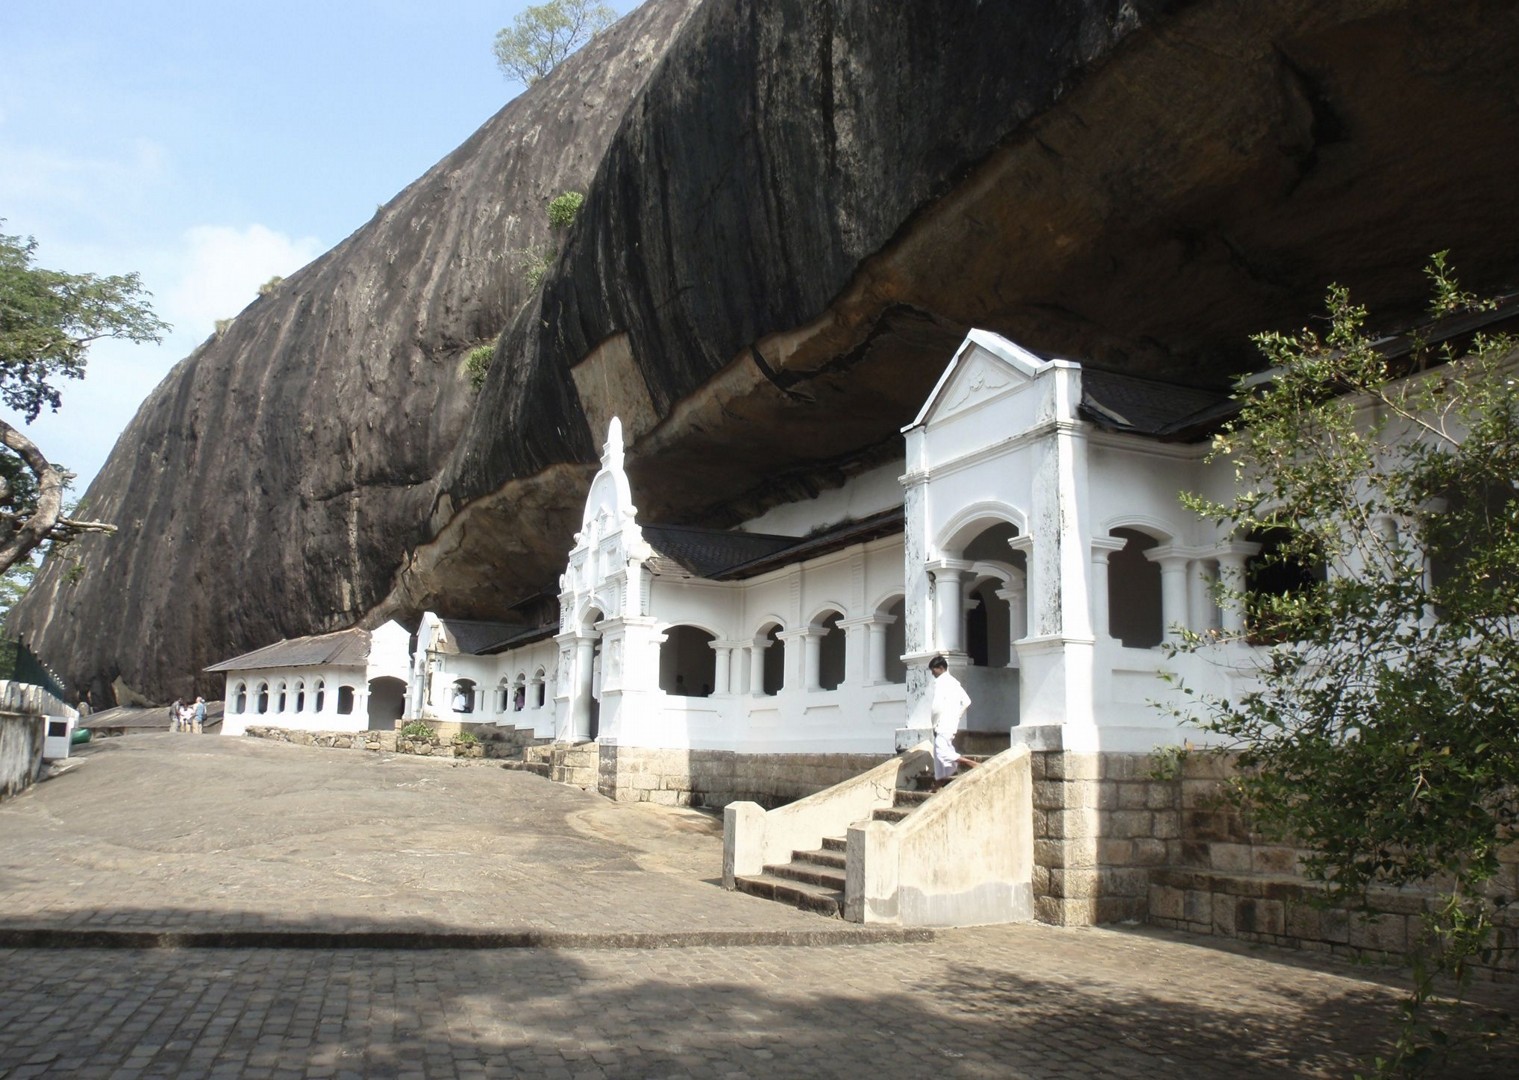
{"points": [[611, 453]]}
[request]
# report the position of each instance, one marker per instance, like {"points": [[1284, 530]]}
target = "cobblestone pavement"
{"points": [[160, 833], [1009, 1002]]}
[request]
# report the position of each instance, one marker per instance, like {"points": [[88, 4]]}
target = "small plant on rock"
{"points": [[564, 208], [477, 365]]}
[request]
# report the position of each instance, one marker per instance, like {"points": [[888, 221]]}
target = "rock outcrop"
{"points": [[794, 211]]}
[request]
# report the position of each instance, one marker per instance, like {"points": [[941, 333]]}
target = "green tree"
{"points": [[48, 320], [1383, 732], [14, 583], [542, 36]]}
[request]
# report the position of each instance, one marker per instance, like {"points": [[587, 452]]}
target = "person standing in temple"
{"points": [[950, 703]]}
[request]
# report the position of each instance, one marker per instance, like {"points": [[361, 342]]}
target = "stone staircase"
{"points": [[814, 880]]}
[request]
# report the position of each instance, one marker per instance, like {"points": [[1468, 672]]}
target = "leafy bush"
{"points": [[563, 208], [478, 364], [417, 729], [466, 738]]}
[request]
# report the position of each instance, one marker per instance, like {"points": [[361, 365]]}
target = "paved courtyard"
{"points": [[243, 843]]}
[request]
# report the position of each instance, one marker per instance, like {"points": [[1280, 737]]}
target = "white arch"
{"points": [[826, 608], [891, 596], [764, 625], [1154, 528], [991, 570], [957, 532], [665, 628], [592, 603]]}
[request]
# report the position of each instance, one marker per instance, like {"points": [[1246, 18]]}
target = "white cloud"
{"points": [[219, 269]]}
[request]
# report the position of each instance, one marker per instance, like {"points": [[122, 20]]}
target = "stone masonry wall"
{"points": [[1139, 837], [714, 778], [1225, 879], [493, 741], [1102, 825]]}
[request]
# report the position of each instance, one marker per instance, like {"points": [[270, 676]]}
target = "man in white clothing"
{"points": [[950, 702]]}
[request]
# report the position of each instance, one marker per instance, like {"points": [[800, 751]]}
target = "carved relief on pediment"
{"points": [[981, 376]]}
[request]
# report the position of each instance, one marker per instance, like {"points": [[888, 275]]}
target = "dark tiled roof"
{"points": [[523, 637], [837, 538], [480, 638], [718, 555], [706, 553], [345, 648], [1145, 407]]}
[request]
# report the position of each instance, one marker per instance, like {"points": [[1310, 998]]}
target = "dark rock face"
{"points": [[794, 212], [273, 482]]}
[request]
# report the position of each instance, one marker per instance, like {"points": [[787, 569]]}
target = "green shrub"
{"points": [[417, 729], [477, 364], [563, 208], [268, 287], [466, 738]]}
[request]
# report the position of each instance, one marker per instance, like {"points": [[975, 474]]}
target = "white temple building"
{"points": [[1033, 535], [351, 680]]}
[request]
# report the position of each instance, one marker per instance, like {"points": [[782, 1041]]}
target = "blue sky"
{"points": [[210, 146]]}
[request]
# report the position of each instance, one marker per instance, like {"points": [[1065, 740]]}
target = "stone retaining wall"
{"points": [[21, 740], [1102, 824], [714, 778], [1151, 838], [493, 742]]}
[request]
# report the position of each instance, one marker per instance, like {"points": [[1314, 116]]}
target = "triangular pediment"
{"points": [[985, 367]]}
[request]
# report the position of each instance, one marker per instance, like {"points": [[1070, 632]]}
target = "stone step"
{"points": [[911, 799], [810, 873], [830, 857], [892, 814], [814, 898], [835, 843]]}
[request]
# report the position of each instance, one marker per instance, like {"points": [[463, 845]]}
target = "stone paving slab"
{"points": [[198, 840], [1012, 1002]]}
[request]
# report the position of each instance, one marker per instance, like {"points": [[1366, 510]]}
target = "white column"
{"points": [[1102, 548], [860, 641], [724, 668], [949, 603], [757, 668], [1200, 595], [742, 658], [1173, 587], [581, 693], [1016, 597], [812, 653], [876, 648], [794, 668], [1231, 576]]}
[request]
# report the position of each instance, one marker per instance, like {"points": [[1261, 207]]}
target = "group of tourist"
{"points": [[186, 717]]}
